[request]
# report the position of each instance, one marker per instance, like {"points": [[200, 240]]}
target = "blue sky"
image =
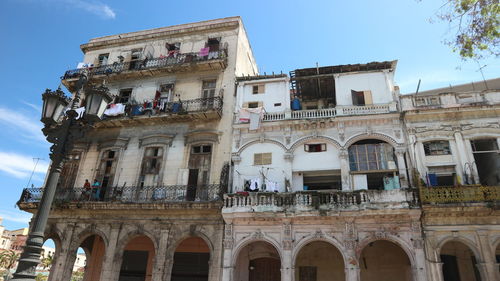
{"points": [[40, 40]]}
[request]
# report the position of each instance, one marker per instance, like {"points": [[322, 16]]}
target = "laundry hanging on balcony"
{"points": [[204, 52], [115, 109], [252, 115]]}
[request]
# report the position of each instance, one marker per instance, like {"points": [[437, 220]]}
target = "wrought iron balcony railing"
{"points": [[178, 107], [146, 64], [324, 200], [130, 194], [459, 194]]}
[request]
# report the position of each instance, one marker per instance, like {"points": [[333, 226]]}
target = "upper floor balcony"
{"points": [[180, 62], [449, 100], [314, 201], [337, 111], [132, 114], [460, 194], [126, 196]]}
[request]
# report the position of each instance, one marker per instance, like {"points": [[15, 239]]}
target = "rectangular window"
{"points": [[124, 96], [427, 101], [442, 176], [253, 104], [173, 46], [277, 104], [484, 145], [316, 147], [437, 148], [151, 161], [208, 88], [167, 91], [361, 97], [103, 59], [201, 149], [258, 89], [262, 158], [366, 157]]}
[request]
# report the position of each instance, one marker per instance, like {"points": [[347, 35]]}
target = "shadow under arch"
{"points": [[332, 241], [257, 259], [398, 242], [464, 240]]}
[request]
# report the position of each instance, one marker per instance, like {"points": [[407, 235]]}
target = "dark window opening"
{"points": [[277, 104], [484, 145], [258, 89], [103, 59], [199, 149], [358, 98], [172, 46], [437, 148], [124, 96], [487, 158], [134, 266], [317, 147], [213, 44], [253, 104], [322, 180]]}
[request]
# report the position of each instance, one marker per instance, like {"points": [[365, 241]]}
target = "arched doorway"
{"points": [[191, 260], [88, 259], [319, 261], [373, 165], [258, 261], [384, 261], [137, 260], [459, 262]]}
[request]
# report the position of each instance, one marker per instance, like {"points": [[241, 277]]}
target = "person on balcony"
{"points": [[87, 190], [96, 189]]}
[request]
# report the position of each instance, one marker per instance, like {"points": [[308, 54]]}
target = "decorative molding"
{"points": [[210, 136], [109, 143], [156, 140]]}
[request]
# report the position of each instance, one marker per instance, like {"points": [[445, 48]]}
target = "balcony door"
{"points": [[199, 170], [106, 171], [69, 171]]}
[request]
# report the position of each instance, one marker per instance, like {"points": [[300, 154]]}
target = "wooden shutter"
{"points": [[368, 97]]}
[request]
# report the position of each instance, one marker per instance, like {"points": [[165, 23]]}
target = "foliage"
{"points": [[77, 275], [41, 277], [476, 23], [8, 259], [47, 262]]}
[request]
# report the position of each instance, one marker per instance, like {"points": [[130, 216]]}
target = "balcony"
{"points": [[171, 194], [216, 60], [186, 110], [449, 100], [331, 200], [460, 194], [330, 112]]}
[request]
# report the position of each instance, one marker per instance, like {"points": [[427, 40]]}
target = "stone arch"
{"points": [[464, 240], [245, 242], [496, 242], [125, 238], [390, 238], [330, 240], [300, 141], [383, 137], [180, 239], [87, 232], [243, 147]]}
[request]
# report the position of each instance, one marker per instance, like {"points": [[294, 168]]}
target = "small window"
{"points": [[103, 59], [136, 54], [201, 149], [262, 158], [277, 104], [316, 147], [361, 97], [208, 88], [437, 148], [441, 176], [253, 104], [166, 91], [172, 47], [258, 89], [124, 96]]}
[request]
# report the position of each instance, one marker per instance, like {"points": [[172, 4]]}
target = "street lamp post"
{"points": [[62, 135]]}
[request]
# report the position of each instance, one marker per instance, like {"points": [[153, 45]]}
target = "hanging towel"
{"points": [[115, 109], [204, 52], [254, 121]]}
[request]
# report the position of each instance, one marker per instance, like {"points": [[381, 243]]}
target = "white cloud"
{"points": [[94, 7], [20, 166], [22, 124], [15, 216], [34, 106]]}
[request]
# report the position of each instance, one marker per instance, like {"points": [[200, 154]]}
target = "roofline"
{"points": [[444, 90], [350, 68], [149, 34]]}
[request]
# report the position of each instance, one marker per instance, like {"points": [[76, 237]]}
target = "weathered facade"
{"points": [[454, 136], [206, 170]]}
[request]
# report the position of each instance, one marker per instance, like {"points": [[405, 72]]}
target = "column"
{"points": [[345, 170], [489, 266], [227, 267], [461, 152], [434, 264], [400, 158], [108, 265], [60, 261], [352, 270], [160, 255]]}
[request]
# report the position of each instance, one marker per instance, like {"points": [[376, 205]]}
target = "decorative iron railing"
{"points": [[130, 194], [146, 64], [459, 194], [331, 199], [177, 107]]}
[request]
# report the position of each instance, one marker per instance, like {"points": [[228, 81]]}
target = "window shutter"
{"points": [[257, 159], [368, 97], [262, 89], [261, 103], [245, 105], [306, 147], [323, 147]]}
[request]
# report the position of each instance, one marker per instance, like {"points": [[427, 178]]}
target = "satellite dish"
{"points": [[148, 51]]}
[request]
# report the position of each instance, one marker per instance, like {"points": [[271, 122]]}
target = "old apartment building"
{"points": [[207, 170]]}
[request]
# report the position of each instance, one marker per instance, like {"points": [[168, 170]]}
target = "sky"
{"points": [[40, 40]]}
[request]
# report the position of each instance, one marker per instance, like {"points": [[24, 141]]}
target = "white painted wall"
{"points": [[277, 171], [379, 83], [277, 90], [315, 161]]}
